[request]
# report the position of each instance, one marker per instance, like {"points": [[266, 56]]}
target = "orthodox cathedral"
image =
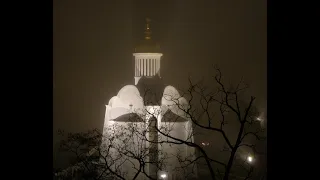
{"points": [[150, 101]]}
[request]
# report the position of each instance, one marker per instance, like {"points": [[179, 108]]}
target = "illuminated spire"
{"points": [[147, 30]]}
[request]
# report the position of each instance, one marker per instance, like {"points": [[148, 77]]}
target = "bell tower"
{"points": [[147, 56]]}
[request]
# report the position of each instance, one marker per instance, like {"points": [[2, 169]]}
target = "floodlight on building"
{"points": [[205, 143], [163, 175]]}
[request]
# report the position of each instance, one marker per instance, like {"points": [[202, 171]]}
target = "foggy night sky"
{"points": [[93, 43]]}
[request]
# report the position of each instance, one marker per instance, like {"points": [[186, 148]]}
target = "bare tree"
{"points": [[224, 101], [80, 145], [221, 111], [110, 156]]}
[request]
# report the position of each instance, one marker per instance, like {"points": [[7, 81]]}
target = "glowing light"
{"points": [[259, 119], [163, 176], [205, 144], [250, 158]]}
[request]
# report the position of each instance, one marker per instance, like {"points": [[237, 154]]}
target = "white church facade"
{"points": [[148, 101]]}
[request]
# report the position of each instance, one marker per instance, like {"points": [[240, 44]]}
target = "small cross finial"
{"points": [[147, 31]]}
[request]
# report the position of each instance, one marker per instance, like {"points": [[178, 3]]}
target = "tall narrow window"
{"points": [[148, 70], [140, 67], [153, 70], [135, 67], [144, 67], [156, 66], [146, 74], [149, 67]]}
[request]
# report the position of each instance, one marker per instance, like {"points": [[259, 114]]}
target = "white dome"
{"points": [[171, 98], [130, 96]]}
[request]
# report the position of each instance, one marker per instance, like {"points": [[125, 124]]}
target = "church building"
{"points": [[150, 106]]}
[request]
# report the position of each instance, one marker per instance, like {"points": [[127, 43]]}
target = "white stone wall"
{"points": [[127, 101]]}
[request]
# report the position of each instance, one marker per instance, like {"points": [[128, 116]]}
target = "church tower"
{"points": [[147, 56], [149, 105]]}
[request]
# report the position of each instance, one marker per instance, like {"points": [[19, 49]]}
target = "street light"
{"points": [[163, 175], [250, 159], [205, 144]]}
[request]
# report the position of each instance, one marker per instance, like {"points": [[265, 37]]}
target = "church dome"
{"points": [[147, 45]]}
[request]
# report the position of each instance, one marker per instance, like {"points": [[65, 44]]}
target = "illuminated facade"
{"points": [[149, 101]]}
